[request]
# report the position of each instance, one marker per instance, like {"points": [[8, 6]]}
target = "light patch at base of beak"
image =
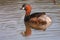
{"points": [[23, 8]]}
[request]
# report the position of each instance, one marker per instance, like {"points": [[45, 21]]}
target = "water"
{"points": [[11, 21]]}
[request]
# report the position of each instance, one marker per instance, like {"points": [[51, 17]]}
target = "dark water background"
{"points": [[11, 20]]}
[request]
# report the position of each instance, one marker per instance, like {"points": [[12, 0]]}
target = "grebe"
{"points": [[38, 20]]}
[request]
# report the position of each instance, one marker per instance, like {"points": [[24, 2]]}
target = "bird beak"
{"points": [[22, 8]]}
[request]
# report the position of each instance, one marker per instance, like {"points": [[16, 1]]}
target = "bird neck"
{"points": [[28, 12]]}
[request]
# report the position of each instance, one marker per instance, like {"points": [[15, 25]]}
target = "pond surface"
{"points": [[12, 24]]}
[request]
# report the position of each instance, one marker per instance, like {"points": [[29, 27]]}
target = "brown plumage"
{"points": [[38, 20]]}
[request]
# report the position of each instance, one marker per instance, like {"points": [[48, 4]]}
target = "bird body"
{"points": [[38, 20]]}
